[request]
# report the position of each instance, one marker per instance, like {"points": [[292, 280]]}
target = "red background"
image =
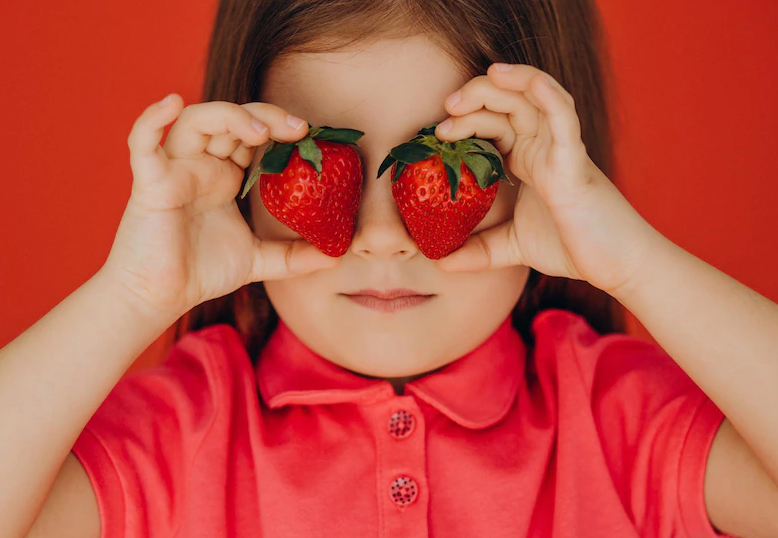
{"points": [[695, 98]]}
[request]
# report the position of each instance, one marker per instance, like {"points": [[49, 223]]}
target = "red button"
{"points": [[401, 424], [403, 490]]}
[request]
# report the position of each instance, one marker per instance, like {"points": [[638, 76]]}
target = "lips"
{"points": [[401, 302], [389, 294], [390, 300]]}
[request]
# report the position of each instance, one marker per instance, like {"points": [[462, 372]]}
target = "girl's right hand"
{"points": [[182, 239]]}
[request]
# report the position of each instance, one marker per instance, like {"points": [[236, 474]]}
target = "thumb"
{"points": [[494, 248], [275, 260]]}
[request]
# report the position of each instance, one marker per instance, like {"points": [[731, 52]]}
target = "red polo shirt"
{"points": [[590, 435]]}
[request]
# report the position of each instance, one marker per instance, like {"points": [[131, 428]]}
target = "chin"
{"points": [[391, 357]]}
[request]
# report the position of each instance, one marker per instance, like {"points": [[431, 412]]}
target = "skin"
{"points": [[388, 90]]}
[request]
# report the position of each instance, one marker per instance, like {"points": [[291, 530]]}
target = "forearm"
{"points": [[54, 376], [722, 333]]}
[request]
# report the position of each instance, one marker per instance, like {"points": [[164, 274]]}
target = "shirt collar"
{"points": [[476, 390]]}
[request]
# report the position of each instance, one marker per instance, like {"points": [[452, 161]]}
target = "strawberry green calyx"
{"points": [[479, 155], [277, 154]]}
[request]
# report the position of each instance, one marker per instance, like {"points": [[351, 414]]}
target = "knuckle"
{"points": [[537, 71], [256, 106], [484, 246], [196, 110], [477, 85], [514, 251], [258, 109], [539, 74], [227, 108], [188, 111], [288, 257]]}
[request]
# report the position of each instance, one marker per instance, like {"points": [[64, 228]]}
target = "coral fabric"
{"points": [[586, 435]]}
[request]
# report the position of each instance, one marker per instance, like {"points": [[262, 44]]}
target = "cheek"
{"points": [[493, 293]]}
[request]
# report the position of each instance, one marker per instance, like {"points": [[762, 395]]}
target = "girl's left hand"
{"points": [[569, 219]]}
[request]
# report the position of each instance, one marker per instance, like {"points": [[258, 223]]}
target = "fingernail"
{"points": [[294, 121], [454, 98], [445, 126], [548, 82], [503, 67], [166, 100], [258, 127]]}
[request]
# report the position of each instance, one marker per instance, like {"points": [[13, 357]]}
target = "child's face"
{"points": [[388, 90]]}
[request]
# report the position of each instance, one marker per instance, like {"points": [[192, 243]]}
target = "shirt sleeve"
{"points": [[139, 444], [656, 427]]}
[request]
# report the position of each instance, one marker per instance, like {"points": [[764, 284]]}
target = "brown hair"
{"points": [[562, 37]]}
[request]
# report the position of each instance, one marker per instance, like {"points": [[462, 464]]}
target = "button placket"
{"points": [[403, 490], [400, 429]]}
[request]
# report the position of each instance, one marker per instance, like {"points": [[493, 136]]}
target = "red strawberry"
{"points": [[443, 190], [313, 186]]}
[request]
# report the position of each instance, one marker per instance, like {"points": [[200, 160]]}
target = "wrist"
{"points": [[656, 248], [116, 290]]}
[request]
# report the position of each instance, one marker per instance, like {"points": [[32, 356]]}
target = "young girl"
{"points": [[496, 406]]}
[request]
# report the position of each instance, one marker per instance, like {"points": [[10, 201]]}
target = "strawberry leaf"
{"points": [[251, 180], [389, 161], [398, 171], [410, 153], [468, 145], [453, 164], [310, 152], [341, 136], [430, 130], [453, 180], [480, 166], [276, 157], [485, 145], [496, 162]]}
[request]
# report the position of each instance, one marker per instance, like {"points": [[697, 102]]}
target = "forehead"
{"points": [[388, 89]]}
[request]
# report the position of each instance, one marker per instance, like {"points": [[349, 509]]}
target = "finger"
{"points": [[518, 78], [275, 260], [563, 122], [147, 159], [494, 248], [228, 147], [480, 92], [483, 124], [199, 122], [243, 155]]}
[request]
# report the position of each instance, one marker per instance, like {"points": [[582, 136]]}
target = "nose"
{"points": [[380, 231]]}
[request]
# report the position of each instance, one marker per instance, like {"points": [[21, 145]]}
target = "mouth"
{"points": [[389, 300], [389, 294]]}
